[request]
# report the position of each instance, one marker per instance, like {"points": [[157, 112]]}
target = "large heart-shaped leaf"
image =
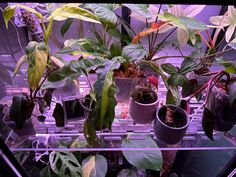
{"points": [[8, 14], [20, 110], [134, 52], [37, 56], [65, 164], [144, 159], [94, 166], [105, 12], [208, 120], [192, 23], [141, 9]]}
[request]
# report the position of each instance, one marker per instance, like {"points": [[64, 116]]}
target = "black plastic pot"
{"points": [[224, 113], [168, 134]]}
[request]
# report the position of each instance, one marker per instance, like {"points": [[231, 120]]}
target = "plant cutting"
{"points": [[144, 102], [40, 63]]}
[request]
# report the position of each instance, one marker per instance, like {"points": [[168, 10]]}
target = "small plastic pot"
{"points": [[168, 134], [125, 85], [143, 113], [225, 115]]}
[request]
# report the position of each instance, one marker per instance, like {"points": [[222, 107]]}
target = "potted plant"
{"points": [[144, 102]]}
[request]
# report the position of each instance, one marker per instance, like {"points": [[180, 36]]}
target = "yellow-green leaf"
{"points": [[31, 10], [37, 55], [8, 14], [20, 62]]}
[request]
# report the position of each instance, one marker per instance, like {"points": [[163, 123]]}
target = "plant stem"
{"points": [[149, 42], [204, 40], [161, 43]]}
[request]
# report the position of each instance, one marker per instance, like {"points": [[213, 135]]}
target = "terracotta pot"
{"points": [[142, 113], [168, 134], [125, 85], [225, 115]]}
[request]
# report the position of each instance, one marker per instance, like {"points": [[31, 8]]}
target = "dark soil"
{"points": [[178, 116], [131, 72]]}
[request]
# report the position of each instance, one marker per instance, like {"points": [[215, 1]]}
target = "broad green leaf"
{"points": [[66, 26], [169, 68], [173, 96], [134, 52], [19, 63], [141, 9], [208, 120], [105, 12], [117, 34], [20, 110], [64, 163], [232, 92], [37, 55], [143, 159], [94, 166], [191, 23], [8, 14], [74, 69], [48, 97], [189, 87], [177, 80]]}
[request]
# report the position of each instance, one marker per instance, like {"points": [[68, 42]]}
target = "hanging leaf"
{"points": [[19, 63], [189, 87], [134, 52], [89, 128], [173, 96], [192, 23], [48, 96], [177, 80], [20, 110], [208, 123], [144, 159], [37, 55], [66, 26], [169, 68], [8, 14], [141, 9], [94, 166], [58, 115], [65, 164]]}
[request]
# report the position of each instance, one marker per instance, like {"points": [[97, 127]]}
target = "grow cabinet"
{"points": [[72, 69]]}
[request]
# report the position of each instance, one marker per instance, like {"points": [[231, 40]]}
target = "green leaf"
{"points": [[48, 30], [117, 34], [37, 56], [141, 9], [89, 128], [169, 68], [144, 159], [71, 11], [177, 80], [208, 123], [105, 12], [94, 166], [19, 63], [115, 50], [48, 97], [230, 66], [39, 15], [191, 23], [65, 164], [20, 110], [173, 96], [74, 69], [58, 115], [232, 92], [8, 14], [189, 87], [66, 26], [134, 52]]}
